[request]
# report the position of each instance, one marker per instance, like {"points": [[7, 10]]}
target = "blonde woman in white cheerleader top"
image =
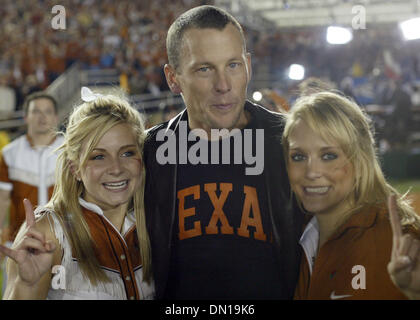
{"points": [[90, 240]]}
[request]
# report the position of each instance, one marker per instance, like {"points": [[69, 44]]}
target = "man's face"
{"points": [[213, 75], [41, 117]]}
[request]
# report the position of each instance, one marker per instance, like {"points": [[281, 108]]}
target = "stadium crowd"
{"points": [[130, 38]]}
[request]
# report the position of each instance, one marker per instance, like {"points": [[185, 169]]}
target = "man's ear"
{"points": [[171, 79]]}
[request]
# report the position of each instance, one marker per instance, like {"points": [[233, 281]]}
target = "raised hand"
{"points": [[404, 267], [33, 254]]}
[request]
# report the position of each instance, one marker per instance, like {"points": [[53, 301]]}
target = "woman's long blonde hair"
{"points": [[333, 116], [86, 126]]}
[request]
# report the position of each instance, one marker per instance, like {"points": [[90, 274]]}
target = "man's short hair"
{"points": [[39, 95], [201, 17]]}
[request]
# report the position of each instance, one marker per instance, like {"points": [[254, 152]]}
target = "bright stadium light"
{"points": [[411, 29], [339, 35], [296, 72], [257, 96]]}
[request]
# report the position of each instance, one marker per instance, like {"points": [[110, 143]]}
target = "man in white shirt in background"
{"points": [[27, 164]]}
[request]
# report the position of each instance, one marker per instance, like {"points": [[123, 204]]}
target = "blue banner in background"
{"points": [[363, 90]]}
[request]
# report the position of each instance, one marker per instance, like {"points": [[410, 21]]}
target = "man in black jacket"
{"points": [[219, 228]]}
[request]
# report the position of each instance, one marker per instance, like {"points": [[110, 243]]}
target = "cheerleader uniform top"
{"points": [[118, 255]]}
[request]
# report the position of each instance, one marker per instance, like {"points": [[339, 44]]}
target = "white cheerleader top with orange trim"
{"points": [[118, 254]]}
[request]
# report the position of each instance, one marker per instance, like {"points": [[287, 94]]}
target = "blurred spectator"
{"points": [[27, 165], [399, 121]]}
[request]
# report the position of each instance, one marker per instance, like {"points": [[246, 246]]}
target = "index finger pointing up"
{"points": [[395, 220], [29, 213]]}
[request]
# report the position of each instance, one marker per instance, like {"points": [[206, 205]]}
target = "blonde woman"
{"points": [[349, 240], [84, 243]]}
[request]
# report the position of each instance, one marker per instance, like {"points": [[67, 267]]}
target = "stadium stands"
{"points": [[124, 46]]}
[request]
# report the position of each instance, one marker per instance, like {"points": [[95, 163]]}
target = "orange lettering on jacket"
{"points": [[184, 213], [218, 213], [251, 201]]}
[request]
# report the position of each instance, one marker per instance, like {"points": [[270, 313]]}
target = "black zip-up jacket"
{"points": [[160, 200]]}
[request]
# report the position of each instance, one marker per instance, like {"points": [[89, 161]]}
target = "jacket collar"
{"points": [[364, 219], [173, 124], [309, 240], [129, 219]]}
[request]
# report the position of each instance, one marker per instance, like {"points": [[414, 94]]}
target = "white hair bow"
{"points": [[87, 95]]}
